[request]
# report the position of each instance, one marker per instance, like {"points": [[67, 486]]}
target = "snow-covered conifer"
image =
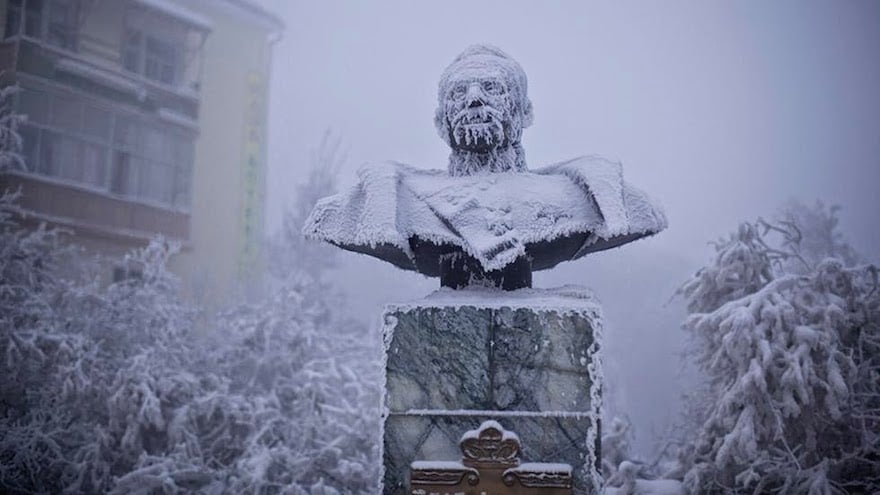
{"points": [[792, 360]]}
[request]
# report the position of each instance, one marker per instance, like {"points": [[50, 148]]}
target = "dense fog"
{"points": [[741, 347], [723, 112]]}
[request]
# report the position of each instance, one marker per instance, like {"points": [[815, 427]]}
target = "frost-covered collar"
{"points": [[508, 159]]}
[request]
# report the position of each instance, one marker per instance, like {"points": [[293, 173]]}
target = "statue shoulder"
{"points": [[584, 164], [389, 169]]}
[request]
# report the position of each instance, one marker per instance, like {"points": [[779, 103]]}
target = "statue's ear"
{"points": [[528, 116], [440, 123]]}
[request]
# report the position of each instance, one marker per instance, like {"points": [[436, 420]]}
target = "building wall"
{"points": [[222, 228], [234, 79]]}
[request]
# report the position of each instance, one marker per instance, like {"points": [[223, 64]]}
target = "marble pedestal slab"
{"points": [[527, 359]]}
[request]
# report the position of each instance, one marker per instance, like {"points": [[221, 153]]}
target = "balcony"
{"points": [[136, 52], [112, 99], [92, 214]]}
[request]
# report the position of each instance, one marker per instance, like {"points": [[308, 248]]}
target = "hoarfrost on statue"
{"points": [[487, 219], [482, 111]]}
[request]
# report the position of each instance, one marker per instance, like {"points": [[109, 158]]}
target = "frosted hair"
{"points": [[484, 57]]}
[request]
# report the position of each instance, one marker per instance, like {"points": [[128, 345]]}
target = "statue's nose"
{"points": [[475, 96]]}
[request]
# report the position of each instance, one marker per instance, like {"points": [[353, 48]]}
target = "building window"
{"points": [[13, 18], [152, 57], [160, 60], [131, 50], [62, 23], [33, 18], [154, 46], [151, 163], [55, 21], [77, 140]]}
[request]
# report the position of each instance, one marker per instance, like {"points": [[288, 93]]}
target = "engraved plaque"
{"points": [[490, 465]]}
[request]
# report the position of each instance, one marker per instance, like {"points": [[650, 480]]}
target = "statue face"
{"points": [[478, 111], [482, 102]]}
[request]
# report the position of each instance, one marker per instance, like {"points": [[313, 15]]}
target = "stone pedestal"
{"points": [[527, 359]]}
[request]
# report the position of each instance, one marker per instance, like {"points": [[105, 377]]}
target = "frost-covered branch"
{"points": [[114, 388], [790, 353]]}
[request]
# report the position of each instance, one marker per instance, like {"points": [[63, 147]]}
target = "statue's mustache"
{"points": [[476, 115]]}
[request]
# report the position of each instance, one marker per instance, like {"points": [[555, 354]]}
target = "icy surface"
{"points": [[542, 467], [505, 414], [494, 217], [474, 434], [440, 465], [567, 298]]}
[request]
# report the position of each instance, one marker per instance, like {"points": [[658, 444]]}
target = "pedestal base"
{"points": [[527, 359]]}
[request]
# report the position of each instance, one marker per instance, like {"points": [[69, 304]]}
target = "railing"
{"points": [[92, 212], [50, 55]]}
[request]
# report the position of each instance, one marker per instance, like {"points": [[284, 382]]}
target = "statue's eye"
{"points": [[458, 91], [493, 87]]}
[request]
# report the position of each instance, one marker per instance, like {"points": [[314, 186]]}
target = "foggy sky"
{"points": [[720, 110]]}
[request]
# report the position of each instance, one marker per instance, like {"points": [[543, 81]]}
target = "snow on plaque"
{"points": [[490, 464], [487, 220]]}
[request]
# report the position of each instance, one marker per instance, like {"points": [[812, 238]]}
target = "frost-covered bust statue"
{"points": [[488, 220], [482, 110]]}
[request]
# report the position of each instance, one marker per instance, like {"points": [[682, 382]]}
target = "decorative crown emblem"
{"points": [[490, 446]]}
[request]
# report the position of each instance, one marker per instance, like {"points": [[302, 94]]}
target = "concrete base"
{"points": [[527, 359]]}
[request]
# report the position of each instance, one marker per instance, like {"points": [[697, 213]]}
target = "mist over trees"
{"points": [[785, 327], [115, 388], [125, 388]]}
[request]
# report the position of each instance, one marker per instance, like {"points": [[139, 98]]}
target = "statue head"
{"points": [[483, 104]]}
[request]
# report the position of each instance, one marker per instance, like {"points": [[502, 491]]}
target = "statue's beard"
{"points": [[478, 129]]}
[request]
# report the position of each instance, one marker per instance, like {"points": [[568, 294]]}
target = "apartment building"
{"points": [[145, 118]]}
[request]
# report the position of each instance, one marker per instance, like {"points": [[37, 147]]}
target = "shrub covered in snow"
{"points": [[110, 388], [786, 329], [616, 441]]}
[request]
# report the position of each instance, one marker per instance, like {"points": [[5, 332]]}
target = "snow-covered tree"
{"points": [[616, 444], [109, 388], [810, 234], [789, 343], [316, 391], [83, 396], [322, 366], [289, 250], [10, 139]]}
